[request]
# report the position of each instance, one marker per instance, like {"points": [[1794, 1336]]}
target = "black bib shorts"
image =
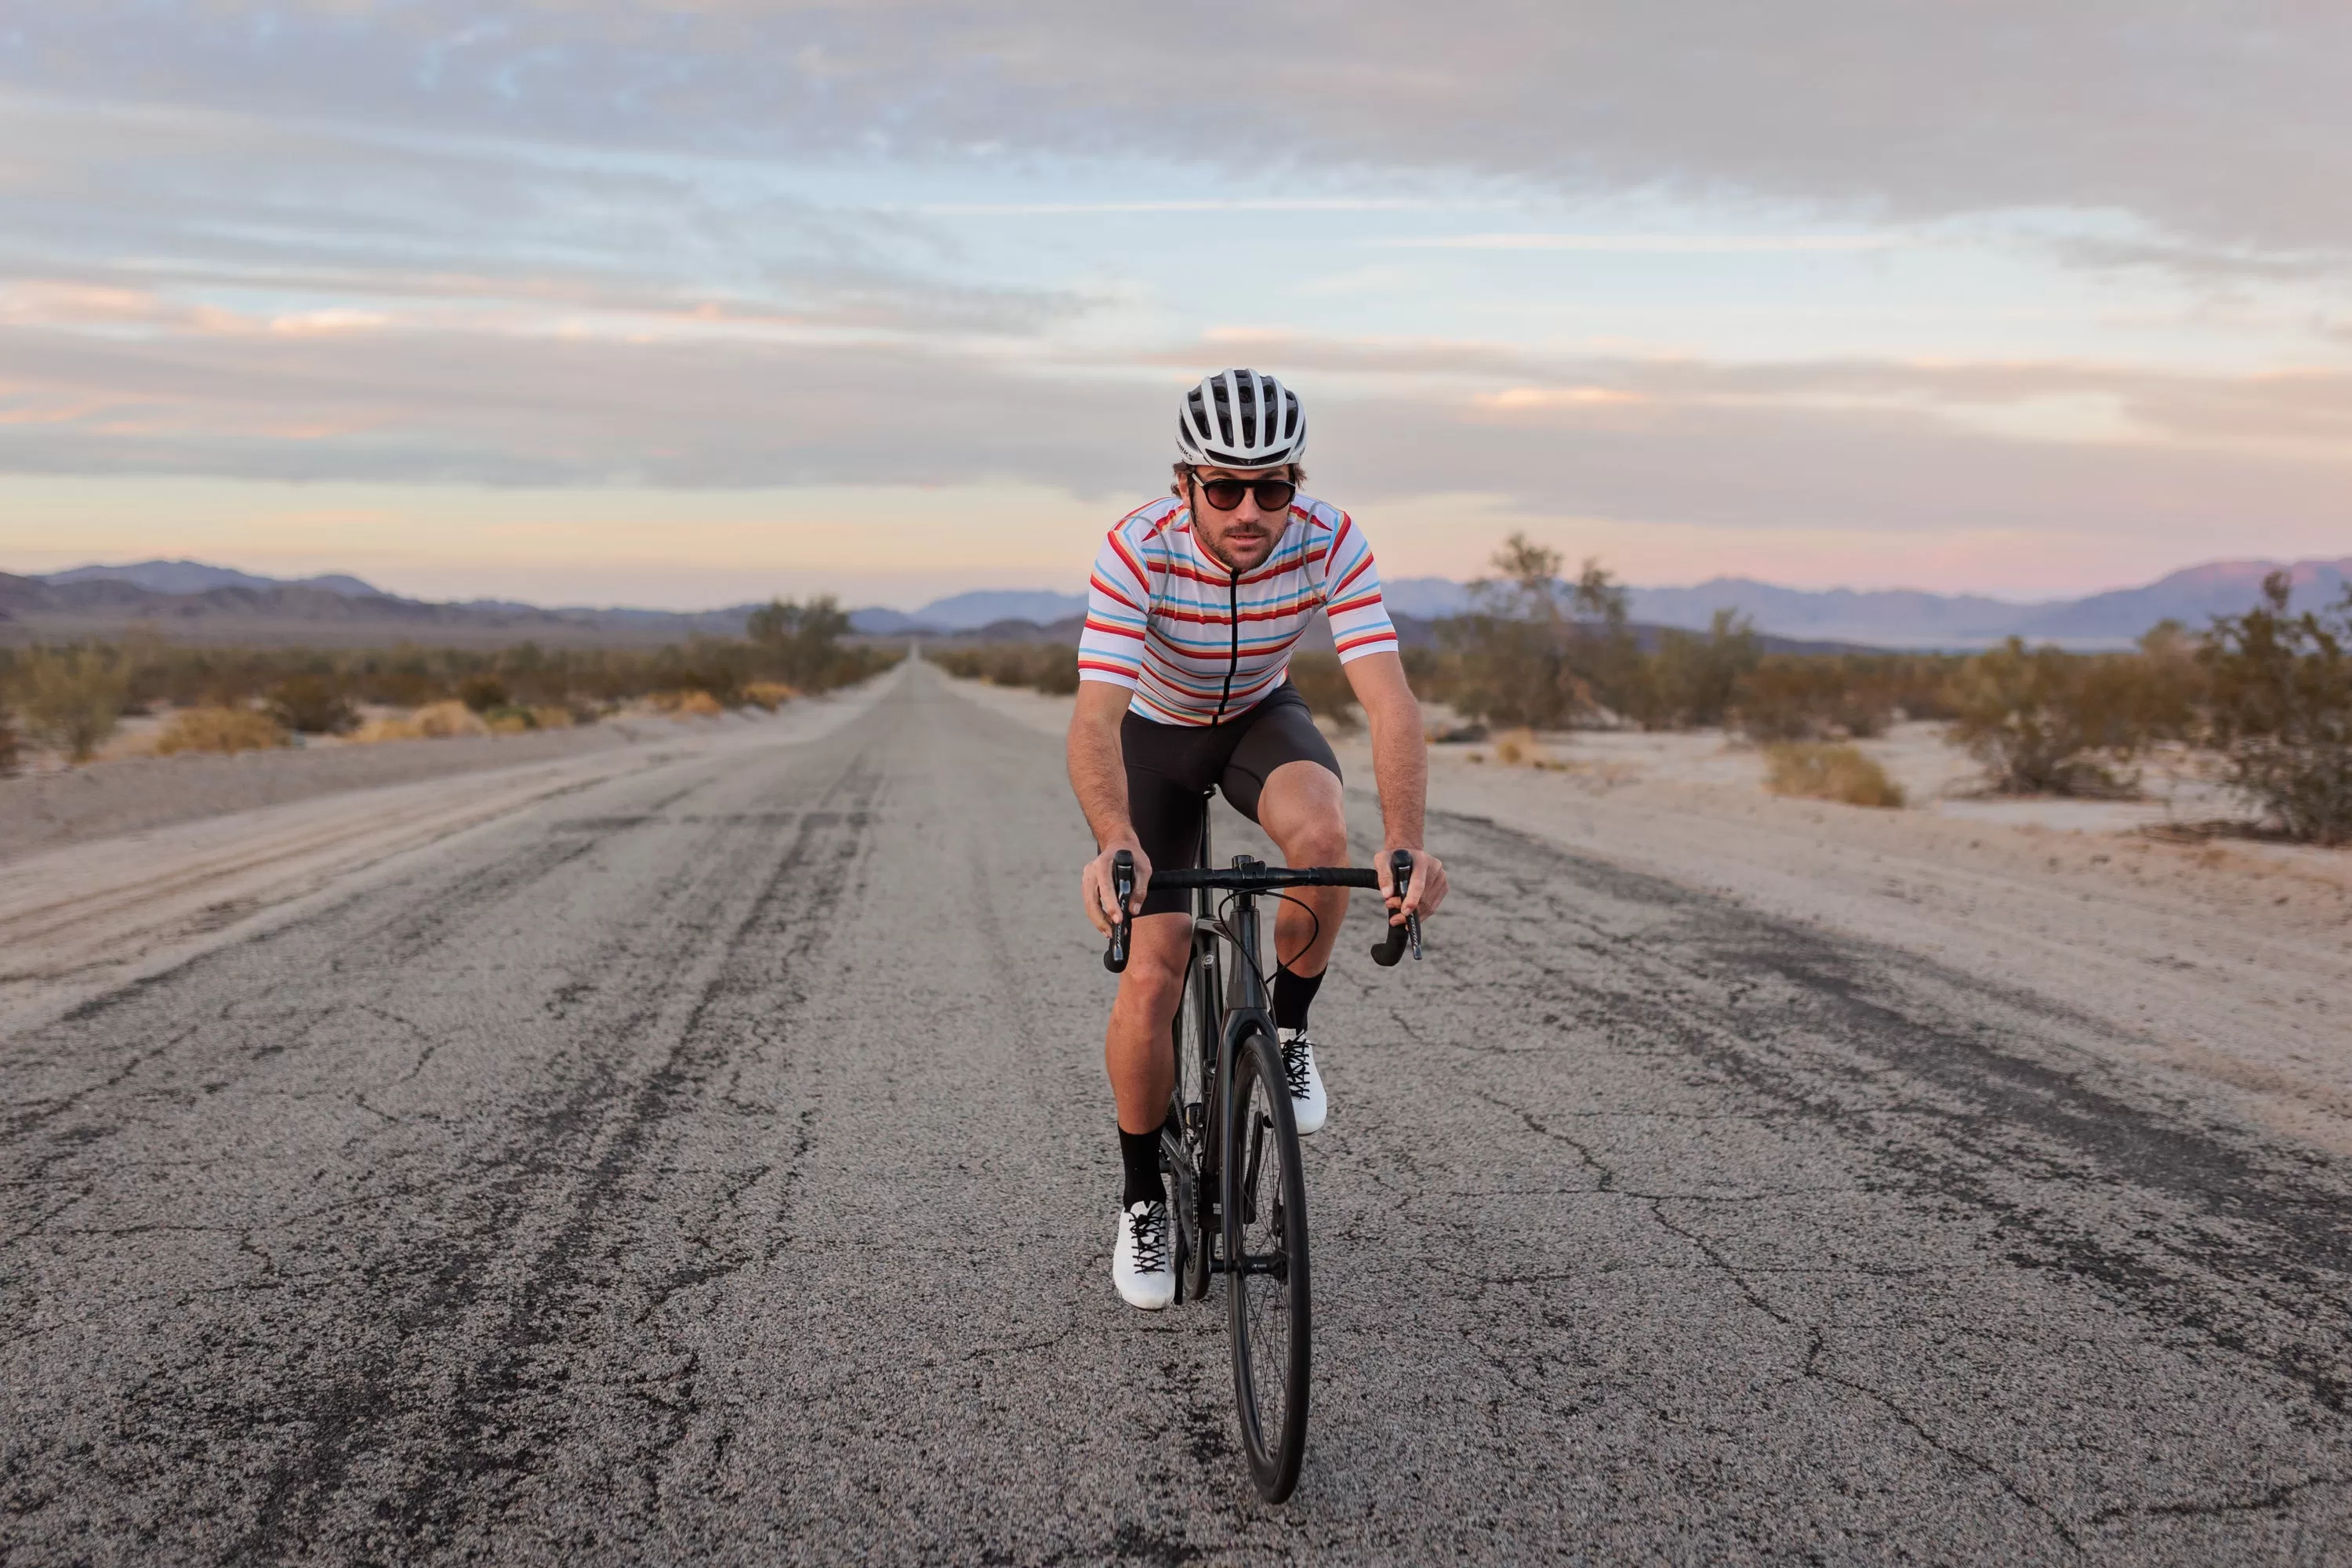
{"points": [[1170, 769]]}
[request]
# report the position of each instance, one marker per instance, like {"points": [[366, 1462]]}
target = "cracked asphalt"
{"points": [[714, 1165]]}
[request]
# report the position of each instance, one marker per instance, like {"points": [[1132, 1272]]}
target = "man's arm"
{"points": [[1098, 775], [1400, 771]]}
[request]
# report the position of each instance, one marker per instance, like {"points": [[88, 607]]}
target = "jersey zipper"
{"points": [[1234, 660]]}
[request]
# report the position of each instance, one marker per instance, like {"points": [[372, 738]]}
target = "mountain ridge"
{"points": [[226, 603]]}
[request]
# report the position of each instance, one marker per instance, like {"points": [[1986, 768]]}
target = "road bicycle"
{"points": [[1237, 1203]]}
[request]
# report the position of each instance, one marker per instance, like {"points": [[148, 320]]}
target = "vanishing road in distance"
{"points": [[714, 1165]]}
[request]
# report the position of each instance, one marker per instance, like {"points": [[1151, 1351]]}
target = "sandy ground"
{"points": [[130, 791], [86, 906], [2228, 963]]}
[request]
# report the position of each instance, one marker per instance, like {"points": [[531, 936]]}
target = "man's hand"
{"points": [[1102, 901], [1422, 894]]}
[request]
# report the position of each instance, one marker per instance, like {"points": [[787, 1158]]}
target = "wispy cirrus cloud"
{"points": [[1650, 244]]}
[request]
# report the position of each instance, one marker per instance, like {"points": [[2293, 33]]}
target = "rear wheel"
{"points": [[1267, 1294]]}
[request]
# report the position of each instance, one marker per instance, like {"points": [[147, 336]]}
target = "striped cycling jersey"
{"points": [[1198, 645]]}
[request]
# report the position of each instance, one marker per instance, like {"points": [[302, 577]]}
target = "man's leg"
{"points": [[1136, 1048], [1301, 810], [1137, 1051]]}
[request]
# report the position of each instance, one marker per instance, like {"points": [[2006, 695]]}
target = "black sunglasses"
{"points": [[1273, 495]]}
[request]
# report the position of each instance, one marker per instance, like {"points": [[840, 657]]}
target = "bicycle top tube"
{"points": [[1267, 878]]}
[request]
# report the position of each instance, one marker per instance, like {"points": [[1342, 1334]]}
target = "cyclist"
{"points": [[1196, 601]]}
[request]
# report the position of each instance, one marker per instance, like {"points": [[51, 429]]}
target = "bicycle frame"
{"points": [[1242, 1005], [1218, 1198]]}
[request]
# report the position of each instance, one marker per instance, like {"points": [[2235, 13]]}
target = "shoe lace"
{"points": [[1150, 1231], [1297, 1059]]}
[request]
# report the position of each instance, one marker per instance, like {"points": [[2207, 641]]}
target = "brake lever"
{"points": [[1387, 951], [1122, 887]]}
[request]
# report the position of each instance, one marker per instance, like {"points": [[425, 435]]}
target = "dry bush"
{"points": [[448, 721], [692, 703], [1322, 679], [482, 692], [2046, 722], [311, 705], [1514, 748], [8, 760], [1049, 668], [71, 697], [963, 663], [1536, 651], [376, 731], [220, 729], [1811, 696], [1692, 679], [2280, 707], [769, 695], [1816, 771]]}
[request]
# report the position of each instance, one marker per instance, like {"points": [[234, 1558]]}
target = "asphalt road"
{"points": [[714, 1165]]}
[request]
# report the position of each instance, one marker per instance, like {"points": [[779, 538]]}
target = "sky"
{"points": [[688, 302]]}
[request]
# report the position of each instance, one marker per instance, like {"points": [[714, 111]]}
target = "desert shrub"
{"points": [[446, 721], [1537, 652], [1829, 771], [1056, 670], [2279, 700], [1322, 679], [311, 705], [800, 643], [1050, 667], [222, 729], [2046, 722], [769, 695], [1515, 748], [8, 757], [71, 697], [482, 691], [1813, 697], [1692, 678]]}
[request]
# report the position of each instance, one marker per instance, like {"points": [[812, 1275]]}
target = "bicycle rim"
{"points": [[1268, 1295]]}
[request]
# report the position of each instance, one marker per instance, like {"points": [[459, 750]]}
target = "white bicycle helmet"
{"points": [[1241, 419]]}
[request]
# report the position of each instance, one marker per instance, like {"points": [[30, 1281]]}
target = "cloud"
{"points": [[1649, 244], [1889, 448], [2222, 121], [227, 203]]}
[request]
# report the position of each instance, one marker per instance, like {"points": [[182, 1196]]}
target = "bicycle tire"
{"points": [[1267, 1287], [1194, 1035]]}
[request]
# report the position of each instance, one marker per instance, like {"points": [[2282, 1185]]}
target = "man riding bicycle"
{"points": [[1196, 601]]}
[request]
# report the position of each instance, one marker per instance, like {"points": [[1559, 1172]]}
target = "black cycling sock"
{"points": [[1292, 994], [1139, 1151]]}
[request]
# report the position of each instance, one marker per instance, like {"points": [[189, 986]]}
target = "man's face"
{"points": [[1243, 538]]}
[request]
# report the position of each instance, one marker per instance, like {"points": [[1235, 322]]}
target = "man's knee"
{"points": [[1154, 977], [1321, 839]]}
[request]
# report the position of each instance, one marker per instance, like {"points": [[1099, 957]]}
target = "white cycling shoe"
{"points": [[1140, 1264], [1310, 1106]]}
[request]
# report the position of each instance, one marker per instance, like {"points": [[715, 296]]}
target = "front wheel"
{"points": [[1267, 1296]]}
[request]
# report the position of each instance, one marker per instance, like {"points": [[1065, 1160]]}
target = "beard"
{"points": [[1254, 547]]}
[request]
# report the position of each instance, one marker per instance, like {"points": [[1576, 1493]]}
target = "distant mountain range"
{"points": [[193, 601]]}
